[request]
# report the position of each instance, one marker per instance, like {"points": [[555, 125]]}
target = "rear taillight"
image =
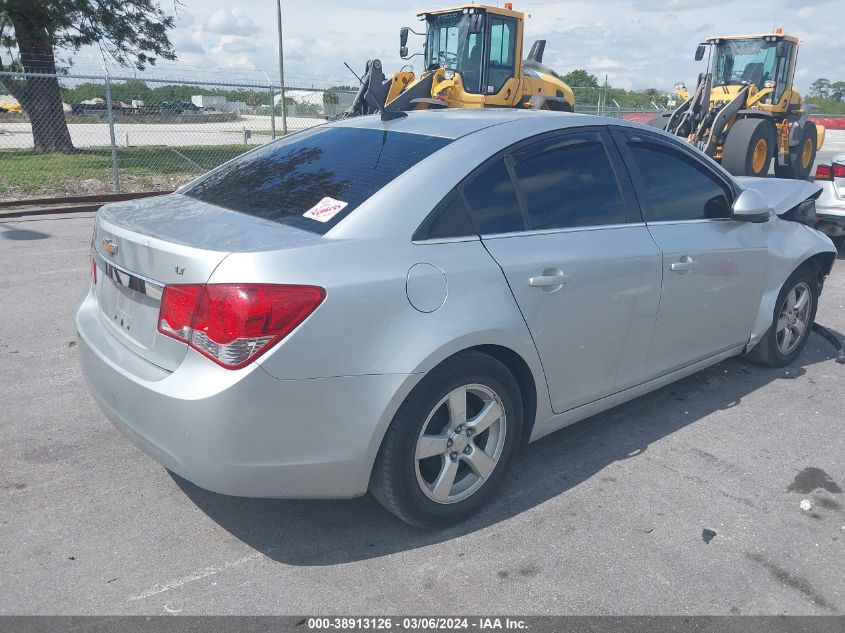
{"points": [[233, 324], [838, 170], [824, 172]]}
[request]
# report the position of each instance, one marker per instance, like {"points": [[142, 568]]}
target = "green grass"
{"points": [[826, 106], [26, 174]]}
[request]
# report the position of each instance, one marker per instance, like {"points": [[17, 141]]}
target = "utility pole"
{"points": [[281, 70]]}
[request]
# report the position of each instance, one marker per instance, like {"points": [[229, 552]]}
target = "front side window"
{"points": [[500, 63], [568, 181], [675, 187], [315, 179]]}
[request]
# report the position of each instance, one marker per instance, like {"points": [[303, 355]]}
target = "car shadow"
{"points": [[21, 234], [325, 532]]}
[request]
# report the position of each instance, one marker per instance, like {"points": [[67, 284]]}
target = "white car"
{"points": [[830, 205]]}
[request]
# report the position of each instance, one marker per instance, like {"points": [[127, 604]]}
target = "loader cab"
{"points": [[481, 44], [763, 61]]}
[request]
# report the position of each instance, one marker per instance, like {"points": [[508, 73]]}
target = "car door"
{"points": [[558, 215], [713, 266]]}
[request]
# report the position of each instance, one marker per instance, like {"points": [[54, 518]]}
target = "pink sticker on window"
{"points": [[325, 209]]}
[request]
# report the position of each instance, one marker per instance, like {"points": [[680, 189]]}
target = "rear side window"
{"points": [[568, 181], [676, 187], [315, 180], [493, 201], [449, 219]]}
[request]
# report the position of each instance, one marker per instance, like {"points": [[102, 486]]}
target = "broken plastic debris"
{"points": [[708, 535]]}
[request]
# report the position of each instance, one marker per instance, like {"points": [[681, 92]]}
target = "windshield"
{"points": [[449, 44], [745, 61]]}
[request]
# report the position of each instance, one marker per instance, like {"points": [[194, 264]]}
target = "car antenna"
{"points": [[360, 81], [385, 114]]}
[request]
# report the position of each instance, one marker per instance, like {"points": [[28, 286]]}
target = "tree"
{"points": [[132, 32], [330, 94], [820, 88], [580, 78], [837, 91], [127, 91]]}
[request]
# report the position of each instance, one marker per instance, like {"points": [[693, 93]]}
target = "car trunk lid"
{"points": [[140, 246]]}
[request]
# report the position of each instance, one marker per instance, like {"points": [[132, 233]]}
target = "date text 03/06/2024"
{"points": [[430, 623]]}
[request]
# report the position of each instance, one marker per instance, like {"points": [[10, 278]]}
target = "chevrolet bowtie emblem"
{"points": [[109, 247]]}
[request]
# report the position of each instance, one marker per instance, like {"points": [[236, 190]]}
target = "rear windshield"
{"points": [[316, 179]]}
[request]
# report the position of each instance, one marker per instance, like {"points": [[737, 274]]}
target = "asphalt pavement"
{"points": [[719, 494]]}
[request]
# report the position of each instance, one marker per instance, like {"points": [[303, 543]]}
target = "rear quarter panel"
{"points": [[367, 325]]}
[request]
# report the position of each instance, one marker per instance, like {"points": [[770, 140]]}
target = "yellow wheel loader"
{"points": [[472, 59], [745, 111]]}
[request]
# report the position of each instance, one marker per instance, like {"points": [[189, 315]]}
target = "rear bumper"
{"points": [[241, 432]]}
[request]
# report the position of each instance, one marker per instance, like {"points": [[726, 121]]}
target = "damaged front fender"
{"points": [[790, 246]]}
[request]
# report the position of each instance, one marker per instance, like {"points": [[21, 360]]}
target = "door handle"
{"points": [[685, 265], [550, 277]]}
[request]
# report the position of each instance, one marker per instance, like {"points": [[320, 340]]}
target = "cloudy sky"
{"points": [[637, 44]]}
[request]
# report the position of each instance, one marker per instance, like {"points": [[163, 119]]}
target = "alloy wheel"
{"points": [[460, 443], [794, 318]]}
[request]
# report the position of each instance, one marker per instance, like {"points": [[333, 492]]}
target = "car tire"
{"points": [[749, 147], [802, 156], [774, 349], [425, 444], [838, 241]]}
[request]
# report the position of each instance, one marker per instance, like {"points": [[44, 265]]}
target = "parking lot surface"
{"points": [[606, 516], [19, 135], [834, 143]]}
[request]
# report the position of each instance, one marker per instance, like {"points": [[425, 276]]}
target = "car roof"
{"points": [[457, 122]]}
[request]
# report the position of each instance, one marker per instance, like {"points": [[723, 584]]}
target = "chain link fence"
{"points": [[104, 133], [85, 134]]}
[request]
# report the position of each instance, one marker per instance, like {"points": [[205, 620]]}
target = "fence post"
{"points": [[115, 172], [272, 112]]}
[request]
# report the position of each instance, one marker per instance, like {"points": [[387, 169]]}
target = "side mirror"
{"points": [[403, 52], [403, 37], [751, 206], [780, 51], [476, 23], [699, 53]]}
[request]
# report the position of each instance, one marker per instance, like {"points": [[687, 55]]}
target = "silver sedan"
{"points": [[396, 306]]}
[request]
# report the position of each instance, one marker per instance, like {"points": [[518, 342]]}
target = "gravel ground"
{"points": [[604, 517]]}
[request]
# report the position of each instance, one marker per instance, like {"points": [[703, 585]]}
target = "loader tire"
{"points": [[802, 156], [749, 147]]}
